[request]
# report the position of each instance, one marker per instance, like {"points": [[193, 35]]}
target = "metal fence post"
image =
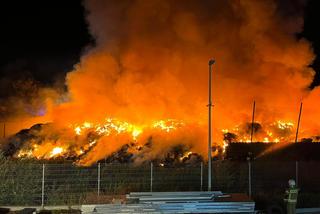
{"points": [[249, 178], [297, 173], [98, 179], [42, 187], [201, 176], [151, 176]]}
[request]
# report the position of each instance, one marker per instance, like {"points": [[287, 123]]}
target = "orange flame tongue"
{"points": [[56, 151]]}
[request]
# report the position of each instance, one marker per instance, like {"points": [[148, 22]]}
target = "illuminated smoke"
{"points": [[150, 64]]}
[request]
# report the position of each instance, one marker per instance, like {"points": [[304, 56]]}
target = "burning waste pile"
{"points": [[119, 141], [148, 64], [115, 141], [278, 131]]}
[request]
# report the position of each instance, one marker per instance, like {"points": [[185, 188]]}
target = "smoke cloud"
{"points": [[150, 62]]}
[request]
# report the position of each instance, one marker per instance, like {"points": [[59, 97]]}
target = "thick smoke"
{"points": [[23, 100], [150, 62]]}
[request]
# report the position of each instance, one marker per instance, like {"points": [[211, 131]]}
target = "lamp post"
{"points": [[210, 105]]}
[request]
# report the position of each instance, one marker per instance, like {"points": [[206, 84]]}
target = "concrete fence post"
{"points": [[42, 187], [99, 169], [151, 176], [297, 173]]}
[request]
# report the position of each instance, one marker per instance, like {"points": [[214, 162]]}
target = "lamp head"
{"points": [[211, 61]]}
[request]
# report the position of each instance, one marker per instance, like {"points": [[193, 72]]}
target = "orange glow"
{"points": [[144, 86]]}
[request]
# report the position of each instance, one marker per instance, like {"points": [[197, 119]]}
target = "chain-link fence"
{"points": [[68, 184]]}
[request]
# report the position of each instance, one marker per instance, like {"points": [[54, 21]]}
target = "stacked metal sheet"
{"points": [[166, 197], [180, 202]]}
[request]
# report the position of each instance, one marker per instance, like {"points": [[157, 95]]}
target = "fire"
{"points": [[88, 137], [56, 151], [110, 126], [116, 126], [224, 146], [90, 133], [23, 153], [152, 74], [77, 130], [87, 125], [136, 132], [284, 125], [278, 131], [167, 125], [186, 155]]}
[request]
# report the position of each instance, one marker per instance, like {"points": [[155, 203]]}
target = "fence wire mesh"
{"points": [[68, 184]]}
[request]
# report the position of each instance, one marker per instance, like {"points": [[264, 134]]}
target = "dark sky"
{"points": [[44, 39], [312, 33], [41, 39]]}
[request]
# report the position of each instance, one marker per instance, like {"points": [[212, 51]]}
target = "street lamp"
{"points": [[210, 105]]}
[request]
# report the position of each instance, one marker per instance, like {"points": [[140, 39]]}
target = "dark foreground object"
{"points": [[181, 202], [302, 151], [4, 210]]}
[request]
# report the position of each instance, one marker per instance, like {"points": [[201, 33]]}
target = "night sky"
{"points": [[42, 40]]}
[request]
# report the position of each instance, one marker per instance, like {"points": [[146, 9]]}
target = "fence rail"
{"points": [[66, 184]]}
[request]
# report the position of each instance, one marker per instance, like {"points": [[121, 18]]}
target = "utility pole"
{"points": [[210, 105], [298, 125], [296, 141], [252, 123]]}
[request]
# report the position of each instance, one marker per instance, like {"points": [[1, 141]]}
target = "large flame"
{"points": [[90, 137]]}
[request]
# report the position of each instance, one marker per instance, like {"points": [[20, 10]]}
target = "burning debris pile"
{"points": [[278, 131], [115, 141], [80, 143]]}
